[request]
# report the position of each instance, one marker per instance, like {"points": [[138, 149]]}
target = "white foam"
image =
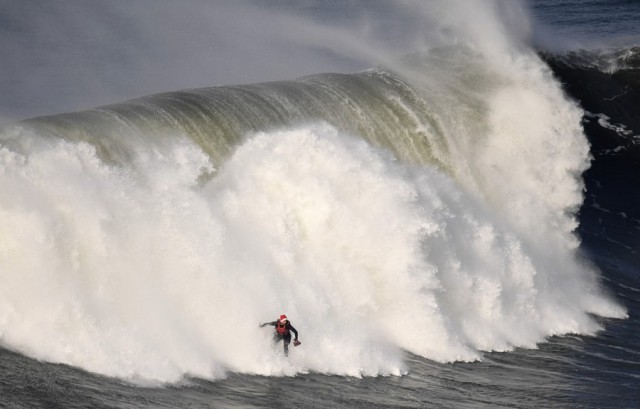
{"points": [[140, 273]]}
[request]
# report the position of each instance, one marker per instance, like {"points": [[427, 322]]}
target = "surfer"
{"points": [[283, 332]]}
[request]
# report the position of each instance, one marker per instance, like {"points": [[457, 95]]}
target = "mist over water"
{"points": [[147, 240]]}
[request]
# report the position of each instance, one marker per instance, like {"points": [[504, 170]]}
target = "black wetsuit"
{"points": [[286, 337]]}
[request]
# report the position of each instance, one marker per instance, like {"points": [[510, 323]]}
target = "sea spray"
{"points": [[141, 271], [429, 208]]}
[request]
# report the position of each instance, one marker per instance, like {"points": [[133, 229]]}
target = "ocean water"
{"points": [[450, 219]]}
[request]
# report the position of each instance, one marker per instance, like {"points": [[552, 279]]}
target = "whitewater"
{"points": [[426, 208]]}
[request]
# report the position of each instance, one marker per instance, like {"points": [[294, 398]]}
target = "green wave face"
{"points": [[375, 105]]}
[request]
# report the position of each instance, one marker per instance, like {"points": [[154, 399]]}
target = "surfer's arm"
{"points": [[269, 323], [293, 330]]}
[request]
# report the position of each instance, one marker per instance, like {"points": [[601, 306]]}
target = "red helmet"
{"points": [[283, 318]]}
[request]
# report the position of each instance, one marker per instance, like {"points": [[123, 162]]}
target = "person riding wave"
{"points": [[283, 332]]}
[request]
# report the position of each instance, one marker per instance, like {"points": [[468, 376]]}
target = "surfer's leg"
{"points": [[277, 338], [286, 340]]}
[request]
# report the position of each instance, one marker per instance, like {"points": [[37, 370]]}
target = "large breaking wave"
{"points": [[429, 208]]}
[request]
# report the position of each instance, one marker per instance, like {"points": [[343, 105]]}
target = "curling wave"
{"points": [[430, 209]]}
